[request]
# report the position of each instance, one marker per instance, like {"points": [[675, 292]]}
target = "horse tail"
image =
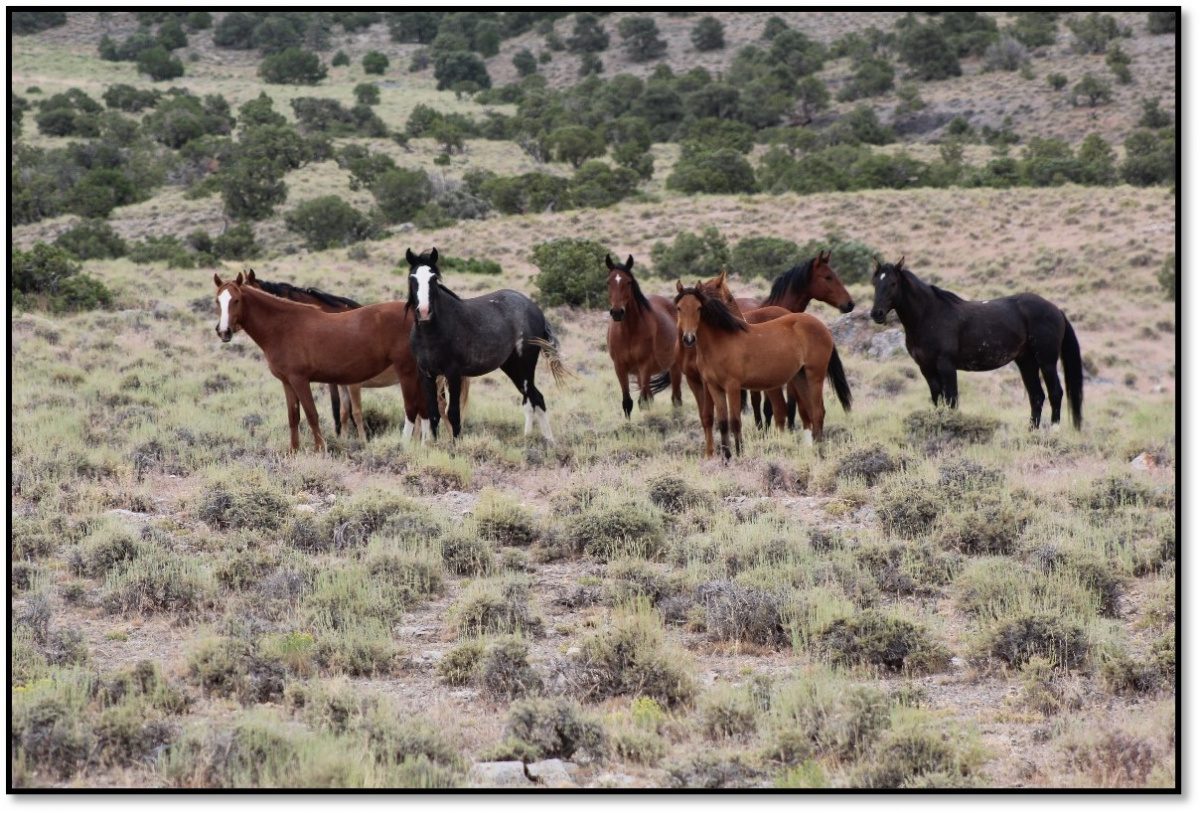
{"points": [[660, 383], [1073, 372], [549, 344], [838, 375]]}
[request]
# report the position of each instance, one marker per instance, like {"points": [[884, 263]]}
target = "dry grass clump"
{"points": [[1114, 758], [1047, 689], [728, 711], [504, 670], [626, 580], [631, 657], [1088, 569], [109, 545], [985, 524], [249, 502], [365, 649], [963, 476], [903, 570], [737, 613], [673, 494], [159, 582], [818, 716], [917, 752], [551, 728], [1113, 492], [868, 463], [873, 639], [907, 506], [1017, 638], [934, 429], [227, 667], [496, 607], [350, 523], [460, 666], [637, 735], [609, 529], [504, 522], [466, 554]]}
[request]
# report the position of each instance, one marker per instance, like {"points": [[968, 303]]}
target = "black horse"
{"points": [[945, 333], [455, 337]]}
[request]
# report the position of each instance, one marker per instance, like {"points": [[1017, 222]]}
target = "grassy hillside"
{"points": [[928, 599]]}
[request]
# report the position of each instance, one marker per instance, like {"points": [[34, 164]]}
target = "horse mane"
{"points": [[285, 290], [714, 312], [797, 277], [638, 297], [948, 297]]}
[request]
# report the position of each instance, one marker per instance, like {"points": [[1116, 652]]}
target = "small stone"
{"points": [[305, 508], [551, 773], [431, 655], [1144, 462]]}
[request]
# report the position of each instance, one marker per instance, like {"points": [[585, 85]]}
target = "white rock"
{"points": [[1143, 462], [551, 773], [498, 775]]}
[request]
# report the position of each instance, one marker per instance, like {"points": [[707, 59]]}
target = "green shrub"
{"points": [[877, 640], [575, 144], [1167, 277], [292, 66], [453, 67], [589, 35], [691, 256], [906, 508], [571, 272], [1016, 639], [236, 243], [48, 274], [1094, 32], [1034, 29], [129, 98], [374, 62], [31, 22], [531, 192], [329, 222], [525, 62], [401, 193], [505, 673], [554, 727], [251, 502], [708, 34], [159, 64], [610, 531], [366, 93], [155, 582], [596, 185], [91, 240], [461, 665], [639, 38], [631, 657], [927, 51], [719, 172], [872, 77], [1150, 157], [496, 607], [1092, 90], [1157, 22], [340, 59]]}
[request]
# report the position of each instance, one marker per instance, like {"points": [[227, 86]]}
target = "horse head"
{"points": [[688, 303], [423, 277], [718, 287], [622, 288], [827, 286], [229, 300], [888, 280]]}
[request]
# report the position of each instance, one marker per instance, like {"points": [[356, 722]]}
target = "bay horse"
{"points": [[733, 354], [793, 290], [303, 344], [458, 337], [345, 400], [641, 336], [945, 333]]}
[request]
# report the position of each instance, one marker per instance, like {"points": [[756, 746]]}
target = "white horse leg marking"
{"points": [[528, 407], [808, 440], [409, 426], [224, 299], [426, 430], [543, 423]]}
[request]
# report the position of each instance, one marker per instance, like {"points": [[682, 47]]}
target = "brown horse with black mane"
{"points": [[641, 336], [303, 344], [733, 355], [350, 399]]}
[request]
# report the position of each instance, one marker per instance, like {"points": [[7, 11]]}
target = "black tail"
{"points": [[745, 401], [660, 382], [1073, 372], [840, 385]]}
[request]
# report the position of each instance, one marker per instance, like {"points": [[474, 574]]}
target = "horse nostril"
{"points": [[617, 314], [849, 306], [689, 340], [877, 315]]}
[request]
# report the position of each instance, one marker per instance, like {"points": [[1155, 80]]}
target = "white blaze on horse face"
{"points": [[618, 279], [883, 275], [224, 299], [423, 275]]}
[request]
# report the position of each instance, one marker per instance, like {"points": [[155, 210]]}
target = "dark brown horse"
{"points": [[303, 344], [345, 400], [793, 290], [641, 336], [733, 355], [945, 333]]}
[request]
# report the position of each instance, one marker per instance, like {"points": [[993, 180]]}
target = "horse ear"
{"points": [[250, 275], [878, 264], [217, 280], [433, 255], [900, 264], [721, 276], [408, 255], [629, 263], [678, 286], [240, 279]]}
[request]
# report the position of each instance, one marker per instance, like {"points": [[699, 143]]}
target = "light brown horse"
{"points": [[733, 355], [794, 289], [350, 399], [303, 344], [641, 336]]}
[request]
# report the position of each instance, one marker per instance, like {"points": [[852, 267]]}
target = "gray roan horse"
{"points": [[455, 337], [945, 333]]}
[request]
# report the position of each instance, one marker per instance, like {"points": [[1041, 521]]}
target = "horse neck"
{"points": [[262, 312], [442, 305], [795, 301], [916, 304]]}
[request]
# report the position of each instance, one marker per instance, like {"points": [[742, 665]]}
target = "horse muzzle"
{"points": [[689, 340], [225, 335], [878, 315], [422, 314], [849, 306], [617, 314]]}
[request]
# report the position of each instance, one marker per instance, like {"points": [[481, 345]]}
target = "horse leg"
{"points": [[626, 400], [355, 393], [453, 413], [1029, 375], [778, 406], [735, 417], [645, 396], [816, 400], [464, 396], [1050, 373], [761, 411], [703, 407], [335, 406], [676, 385], [430, 425], [345, 408], [948, 374], [304, 392], [293, 413], [721, 408], [935, 385], [801, 393]]}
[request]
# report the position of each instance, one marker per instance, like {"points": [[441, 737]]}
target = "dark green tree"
{"points": [[374, 62], [1093, 32], [708, 34], [575, 144], [928, 53], [366, 93], [400, 193], [1092, 91], [292, 66], [525, 62], [329, 222], [159, 64], [588, 36], [1162, 22], [452, 67], [640, 39], [719, 172]]}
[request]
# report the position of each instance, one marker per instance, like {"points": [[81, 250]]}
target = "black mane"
{"points": [[638, 297], [285, 290], [714, 312], [941, 293], [797, 277]]}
